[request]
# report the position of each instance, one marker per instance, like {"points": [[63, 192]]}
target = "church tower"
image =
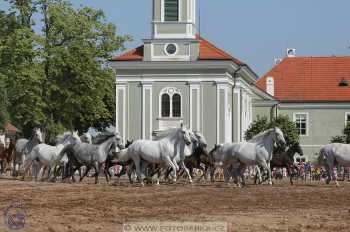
{"points": [[173, 32]]}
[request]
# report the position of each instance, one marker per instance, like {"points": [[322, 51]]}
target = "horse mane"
{"points": [[259, 137], [166, 133], [62, 137], [101, 138]]}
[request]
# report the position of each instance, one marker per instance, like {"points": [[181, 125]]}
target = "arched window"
{"points": [[176, 105], [165, 105], [170, 103]]}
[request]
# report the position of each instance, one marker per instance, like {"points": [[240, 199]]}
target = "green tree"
{"points": [[21, 70], [58, 78], [282, 121], [77, 44], [4, 116]]}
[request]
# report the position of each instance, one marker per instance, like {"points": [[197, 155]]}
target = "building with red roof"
{"points": [[314, 92], [177, 77]]}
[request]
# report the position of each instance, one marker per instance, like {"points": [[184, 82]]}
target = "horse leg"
{"points": [[334, 177], [106, 171], [97, 168], [85, 173], [182, 164], [227, 175], [137, 163], [258, 175], [171, 165], [266, 166], [328, 171], [243, 167], [289, 173], [130, 169]]}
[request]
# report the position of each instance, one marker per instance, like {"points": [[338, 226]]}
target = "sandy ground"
{"points": [[105, 207]]}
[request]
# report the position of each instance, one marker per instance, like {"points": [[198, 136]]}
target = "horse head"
{"points": [[37, 134], [75, 137], [186, 135], [278, 136], [213, 154], [201, 140], [118, 141]]}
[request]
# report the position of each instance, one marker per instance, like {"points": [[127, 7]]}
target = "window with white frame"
{"points": [[347, 118], [170, 102], [301, 123]]}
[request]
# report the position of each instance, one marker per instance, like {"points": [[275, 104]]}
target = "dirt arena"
{"points": [[105, 207]]}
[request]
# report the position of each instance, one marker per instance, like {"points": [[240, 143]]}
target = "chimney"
{"points": [[270, 86], [291, 52]]}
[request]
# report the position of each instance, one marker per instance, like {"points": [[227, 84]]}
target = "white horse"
{"points": [[24, 147], [167, 146], [332, 155], [257, 151], [48, 155]]}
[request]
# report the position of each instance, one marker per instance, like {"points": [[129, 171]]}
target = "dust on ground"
{"points": [[56, 207]]}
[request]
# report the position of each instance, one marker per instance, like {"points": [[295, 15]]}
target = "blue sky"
{"points": [[255, 31]]}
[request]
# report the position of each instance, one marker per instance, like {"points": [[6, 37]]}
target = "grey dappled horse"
{"points": [[332, 155], [89, 155], [257, 151], [24, 147]]}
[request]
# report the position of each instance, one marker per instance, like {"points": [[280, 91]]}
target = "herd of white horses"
{"points": [[170, 152]]}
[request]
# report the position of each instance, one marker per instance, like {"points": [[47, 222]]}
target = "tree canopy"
{"points": [[58, 77]]}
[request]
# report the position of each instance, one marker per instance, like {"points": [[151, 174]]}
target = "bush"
{"points": [[338, 139], [345, 138], [282, 121]]}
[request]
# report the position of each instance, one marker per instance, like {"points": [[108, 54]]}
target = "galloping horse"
{"points": [[257, 151], [47, 155], [89, 155], [169, 144], [24, 147], [332, 155]]}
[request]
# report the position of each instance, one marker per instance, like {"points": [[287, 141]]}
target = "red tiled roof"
{"points": [[310, 79], [207, 51], [10, 128], [132, 55]]}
